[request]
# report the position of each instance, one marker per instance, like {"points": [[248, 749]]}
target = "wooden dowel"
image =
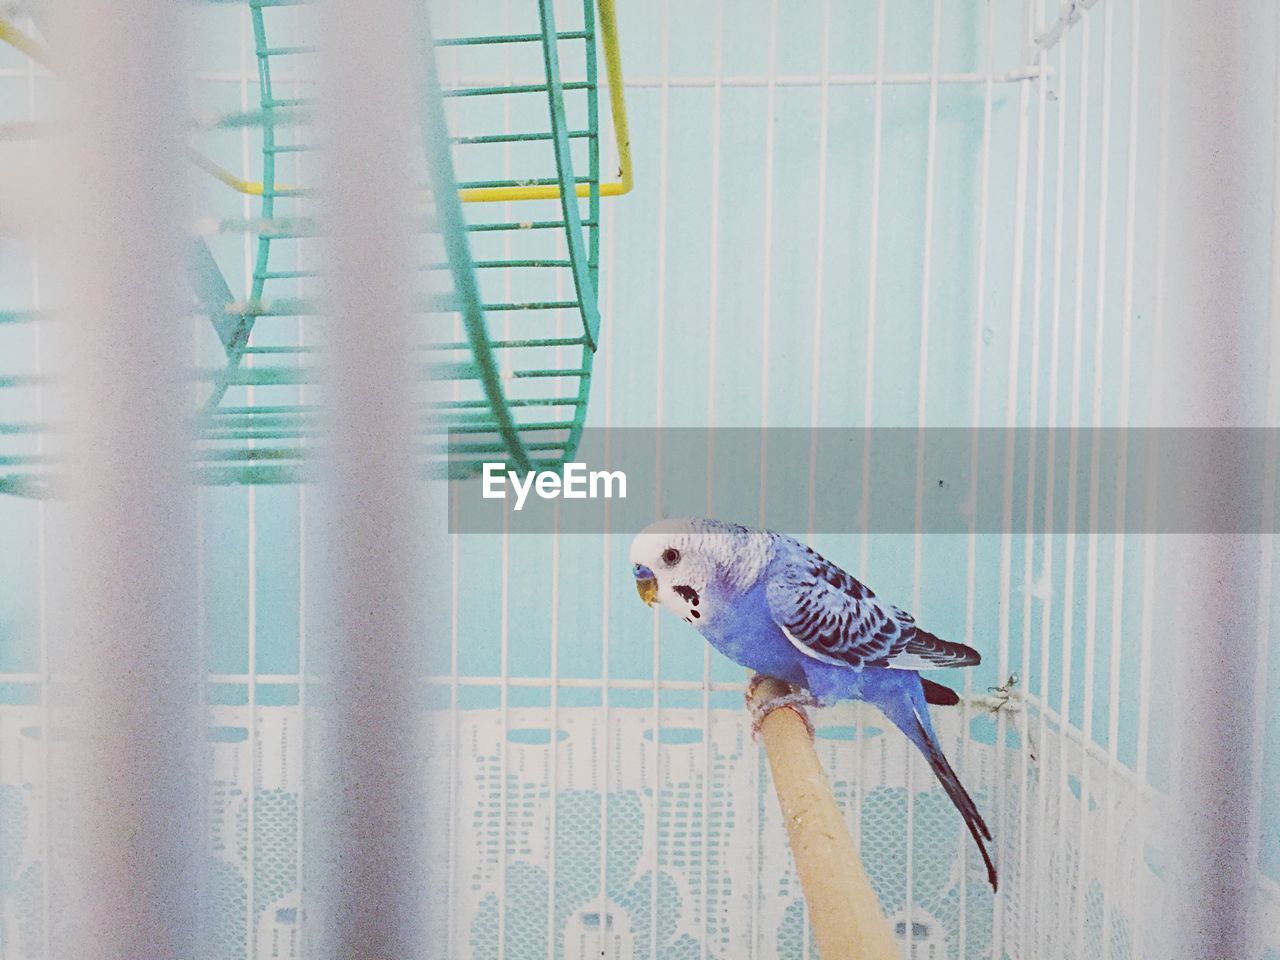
{"points": [[843, 909]]}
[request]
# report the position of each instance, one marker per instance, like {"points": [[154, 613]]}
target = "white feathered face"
{"points": [[672, 567]]}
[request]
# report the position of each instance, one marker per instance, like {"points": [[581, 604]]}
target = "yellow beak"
{"points": [[647, 587]]}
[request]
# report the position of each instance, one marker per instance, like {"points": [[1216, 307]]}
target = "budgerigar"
{"points": [[773, 605]]}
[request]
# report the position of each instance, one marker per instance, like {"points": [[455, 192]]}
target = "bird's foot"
{"points": [[1002, 697], [753, 685], [761, 706]]}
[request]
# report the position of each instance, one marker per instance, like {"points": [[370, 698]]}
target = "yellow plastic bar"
{"points": [[621, 133], [38, 52], [251, 187], [25, 43]]}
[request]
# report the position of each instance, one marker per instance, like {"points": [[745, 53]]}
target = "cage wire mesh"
{"points": [[599, 790]]}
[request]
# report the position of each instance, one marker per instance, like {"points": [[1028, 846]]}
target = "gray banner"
{"points": [[892, 480]]}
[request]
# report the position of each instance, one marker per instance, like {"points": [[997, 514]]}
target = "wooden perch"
{"points": [[843, 909]]}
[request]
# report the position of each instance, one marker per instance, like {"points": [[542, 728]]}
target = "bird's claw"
{"points": [[1002, 697], [1006, 689], [752, 686], [795, 701]]}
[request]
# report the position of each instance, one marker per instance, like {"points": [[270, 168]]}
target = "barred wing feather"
{"points": [[831, 616]]}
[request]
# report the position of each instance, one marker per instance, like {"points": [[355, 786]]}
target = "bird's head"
{"points": [[681, 563]]}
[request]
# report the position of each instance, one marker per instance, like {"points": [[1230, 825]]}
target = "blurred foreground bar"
{"points": [[128, 791], [365, 835], [1220, 81]]}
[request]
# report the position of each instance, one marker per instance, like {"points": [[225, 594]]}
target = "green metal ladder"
{"points": [[511, 321]]}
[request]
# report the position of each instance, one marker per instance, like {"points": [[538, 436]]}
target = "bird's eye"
{"points": [[671, 556]]}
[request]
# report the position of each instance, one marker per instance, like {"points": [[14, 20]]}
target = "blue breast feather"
{"points": [[745, 631]]}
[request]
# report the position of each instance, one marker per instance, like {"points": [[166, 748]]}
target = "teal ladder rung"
{"points": [[510, 38]]}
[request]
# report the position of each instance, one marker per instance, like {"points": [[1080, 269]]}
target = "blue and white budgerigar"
{"points": [[773, 605]]}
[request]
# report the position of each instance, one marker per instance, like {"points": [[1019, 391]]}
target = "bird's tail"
{"points": [[910, 715], [955, 790]]}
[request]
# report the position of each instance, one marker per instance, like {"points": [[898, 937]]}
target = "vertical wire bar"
{"points": [[562, 243], [1121, 491], [999, 935], [504, 709], [455, 604], [606, 737], [251, 553], [1050, 490], [508, 166], [593, 124], [202, 689], [303, 625], [455, 594], [815, 358], [713, 240], [130, 656], [606, 760], [553, 786], [766, 297], [766, 292], [664, 129], [1073, 461], [450, 55], [1095, 480], [975, 419], [371, 767], [713, 315], [918, 558], [1147, 624], [926, 304], [873, 274], [554, 679], [504, 640], [303, 667], [202, 674], [1146, 633], [820, 236], [1033, 406], [504, 667]]}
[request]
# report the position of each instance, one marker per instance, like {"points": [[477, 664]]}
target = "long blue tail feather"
{"points": [[906, 708]]}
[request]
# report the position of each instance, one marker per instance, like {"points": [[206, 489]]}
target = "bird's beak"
{"points": [[646, 583]]}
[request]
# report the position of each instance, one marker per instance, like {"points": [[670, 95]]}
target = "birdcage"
{"points": [[851, 215], [511, 316]]}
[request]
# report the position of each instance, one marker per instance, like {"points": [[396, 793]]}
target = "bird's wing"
{"points": [[831, 616]]}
